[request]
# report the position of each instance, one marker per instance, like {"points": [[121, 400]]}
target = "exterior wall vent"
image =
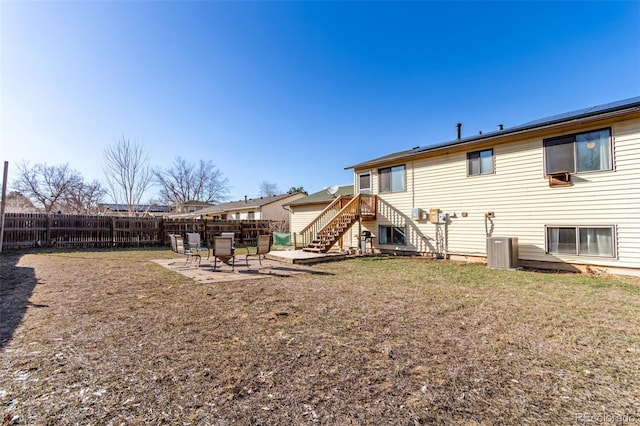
{"points": [[502, 252]]}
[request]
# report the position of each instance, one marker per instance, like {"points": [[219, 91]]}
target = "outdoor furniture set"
{"points": [[222, 248]]}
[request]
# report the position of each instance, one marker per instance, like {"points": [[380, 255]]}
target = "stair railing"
{"points": [[352, 208], [311, 231]]}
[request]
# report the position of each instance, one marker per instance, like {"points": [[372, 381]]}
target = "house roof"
{"points": [[631, 105], [138, 208], [195, 203], [322, 197], [247, 204]]}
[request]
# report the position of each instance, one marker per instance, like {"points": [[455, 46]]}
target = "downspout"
{"points": [[293, 234], [446, 238], [413, 185]]}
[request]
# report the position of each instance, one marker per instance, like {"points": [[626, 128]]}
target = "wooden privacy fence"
{"points": [[42, 230], [246, 231], [23, 230]]}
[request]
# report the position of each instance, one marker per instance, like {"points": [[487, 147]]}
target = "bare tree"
{"points": [[84, 198], [185, 181], [46, 186], [268, 189], [126, 168]]}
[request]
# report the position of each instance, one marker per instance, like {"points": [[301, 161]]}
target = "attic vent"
{"points": [[559, 179]]}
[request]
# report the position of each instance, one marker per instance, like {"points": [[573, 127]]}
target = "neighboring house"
{"points": [[304, 210], [189, 206], [567, 187], [262, 208], [123, 209]]}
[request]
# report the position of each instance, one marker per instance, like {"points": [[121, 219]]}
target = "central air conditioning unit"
{"points": [[502, 252]]}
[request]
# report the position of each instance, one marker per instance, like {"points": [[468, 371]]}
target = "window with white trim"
{"points": [[364, 183], [392, 179], [392, 235], [581, 240], [580, 152], [480, 162]]}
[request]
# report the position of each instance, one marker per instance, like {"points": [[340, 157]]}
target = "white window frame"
{"points": [[577, 250], [393, 171], [479, 160], [365, 190], [573, 140], [382, 235]]}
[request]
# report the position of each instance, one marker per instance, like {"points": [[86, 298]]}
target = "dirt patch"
{"points": [[113, 338]]}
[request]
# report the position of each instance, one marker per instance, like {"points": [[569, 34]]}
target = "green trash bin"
{"points": [[281, 238]]}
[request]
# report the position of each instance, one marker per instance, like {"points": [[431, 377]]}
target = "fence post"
{"points": [[162, 238], [47, 232], [112, 231]]}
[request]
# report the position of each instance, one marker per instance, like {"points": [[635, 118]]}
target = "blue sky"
{"points": [[294, 92]]}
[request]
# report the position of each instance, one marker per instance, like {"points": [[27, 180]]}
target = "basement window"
{"points": [[581, 240], [579, 152], [480, 162], [392, 235]]}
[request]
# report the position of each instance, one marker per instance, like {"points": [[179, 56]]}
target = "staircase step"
{"points": [[328, 237]]}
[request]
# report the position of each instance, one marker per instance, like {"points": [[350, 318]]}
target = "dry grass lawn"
{"points": [[108, 337]]}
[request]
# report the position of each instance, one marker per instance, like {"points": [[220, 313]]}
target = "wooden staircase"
{"points": [[336, 220]]}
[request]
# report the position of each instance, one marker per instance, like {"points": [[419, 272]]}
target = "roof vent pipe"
{"points": [[245, 199], [500, 127], [458, 130]]}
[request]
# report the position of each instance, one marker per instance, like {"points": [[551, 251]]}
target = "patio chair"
{"points": [[263, 247], [174, 243], [231, 235], [178, 246], [194, 243], [223, 249]]}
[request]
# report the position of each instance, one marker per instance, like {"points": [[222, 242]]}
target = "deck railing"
{"points": [[368, 206]]}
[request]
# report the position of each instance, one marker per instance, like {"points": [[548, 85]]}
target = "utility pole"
{"points": [[4, 200]]}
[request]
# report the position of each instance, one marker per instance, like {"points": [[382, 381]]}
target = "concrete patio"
{"points": [[283, 263]]}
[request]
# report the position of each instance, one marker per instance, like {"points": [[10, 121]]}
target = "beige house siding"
{"points": [[245, 215], [269, 208], [275, 211], [301, 216], [519, 195]]}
